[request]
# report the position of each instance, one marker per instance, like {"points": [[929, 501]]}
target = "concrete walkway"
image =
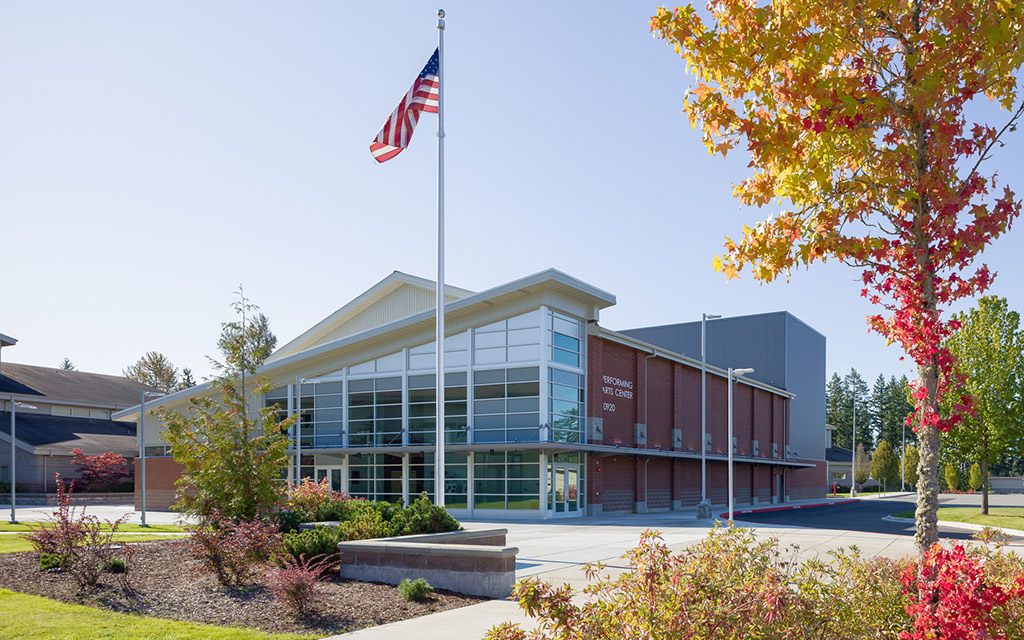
{"points": [[556, 550]]}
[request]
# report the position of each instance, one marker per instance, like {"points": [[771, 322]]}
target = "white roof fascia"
{"points": [[24, 446], [367, 298], [7, 341], [604, 299], [162, 400], [629, 341]]}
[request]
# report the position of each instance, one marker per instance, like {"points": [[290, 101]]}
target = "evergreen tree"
{"points": [[67, 365], [911, 458], [233, 460], [187, 381]]}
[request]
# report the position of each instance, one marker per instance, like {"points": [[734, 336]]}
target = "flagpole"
{"points": [[440, 395]]}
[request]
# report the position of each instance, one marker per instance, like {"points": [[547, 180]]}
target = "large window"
{"points": [[375, 412], [506, 405], [566, 340], [423, 410], [515, 339], [375, 477], [506, 480], [456, 472], [565, 403]]}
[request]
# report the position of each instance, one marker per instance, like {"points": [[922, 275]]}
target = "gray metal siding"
{"points": [[783, 351], [805, 371]]}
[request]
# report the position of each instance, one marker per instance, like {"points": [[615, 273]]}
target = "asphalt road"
{"points": [[855, 516]]}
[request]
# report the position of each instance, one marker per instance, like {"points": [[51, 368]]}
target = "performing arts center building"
{"points": [[548, 414]]}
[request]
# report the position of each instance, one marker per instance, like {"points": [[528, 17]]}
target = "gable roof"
{"points": [[70, 386], [395, 297], [61, 434]]}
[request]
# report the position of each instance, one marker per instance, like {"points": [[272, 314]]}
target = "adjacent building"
{"points": [[547, 412], [65, 410]]}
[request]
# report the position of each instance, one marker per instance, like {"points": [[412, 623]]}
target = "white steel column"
{"points": [[439, 445]]}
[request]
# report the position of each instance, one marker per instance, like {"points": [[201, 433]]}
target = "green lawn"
{"points": [[1005, 517], [14, 544], [124, 528], [28, 617]]}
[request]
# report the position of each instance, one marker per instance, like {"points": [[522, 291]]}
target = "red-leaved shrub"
{"points": [[233, 551], [101, 472], [295, 584], [956, 598], [80, 540]]}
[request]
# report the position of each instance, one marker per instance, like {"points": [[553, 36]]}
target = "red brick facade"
{"points": [[161, 473], [627, 388]]}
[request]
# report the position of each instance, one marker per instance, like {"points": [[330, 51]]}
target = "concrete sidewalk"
{"points": [[556, 550]]}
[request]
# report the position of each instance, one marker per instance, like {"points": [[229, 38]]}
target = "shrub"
{"points": [[294, 584], [308, 496], [369, 523], [233, 551], [77, 538], [731, 585], [414, 589], [99, 473], [115, 565], [51, 561], [322, 541], [956, 597], [422, 516], [289, 520]]}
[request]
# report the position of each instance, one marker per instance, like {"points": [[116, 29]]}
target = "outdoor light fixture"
{"points": [[732, 372], [704, 317], [15, 403], [142, 445]]}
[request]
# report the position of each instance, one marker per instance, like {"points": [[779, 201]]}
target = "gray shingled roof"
{"points": [[838, 454], [114, 392], [64, 433]]}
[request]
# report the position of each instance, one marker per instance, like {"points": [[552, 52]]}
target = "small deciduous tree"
{"points": [[885, 466], [155, 370], [858, 120], [232, 458], [975, 479], [910, 461], [863, 467], [952, 475], [989, 348], [100, 472]]}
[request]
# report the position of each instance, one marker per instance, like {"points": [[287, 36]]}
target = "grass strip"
{"points": [[1003, 517], [15, 544], [124, 528], [26, 617]]}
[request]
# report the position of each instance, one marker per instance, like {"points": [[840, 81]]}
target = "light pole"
{"points": [[142, 446], [15, 403], [903, 460], [704, 317], [853, 452], [732, 372]]}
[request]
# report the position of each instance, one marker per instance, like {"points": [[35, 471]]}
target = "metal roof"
{"points": [[93, 389], [61, 434]]}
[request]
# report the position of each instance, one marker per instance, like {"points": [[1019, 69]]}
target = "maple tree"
{"points": [[855, 116], [101, 472]]}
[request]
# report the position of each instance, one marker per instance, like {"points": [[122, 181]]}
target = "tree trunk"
{"points": [[984, 473], [927, 528]]}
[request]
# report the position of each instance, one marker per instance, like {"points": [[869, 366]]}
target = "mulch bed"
{"points": [[165, 584]]}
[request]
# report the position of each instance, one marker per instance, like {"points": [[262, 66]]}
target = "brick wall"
{"points": [[806, 484], [161, 474], [671, 399]]}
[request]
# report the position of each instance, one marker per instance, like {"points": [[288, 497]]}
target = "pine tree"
{"points": [[67, 365]]}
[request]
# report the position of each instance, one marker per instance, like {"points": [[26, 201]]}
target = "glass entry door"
{"points": [[334, 473], [564, 482]]}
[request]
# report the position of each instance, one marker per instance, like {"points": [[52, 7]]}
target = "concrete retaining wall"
{"points": [[471, 562]]}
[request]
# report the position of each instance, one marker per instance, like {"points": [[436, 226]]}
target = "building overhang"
{"points": [[600, 450]]}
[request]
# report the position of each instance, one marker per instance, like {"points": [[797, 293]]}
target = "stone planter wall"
{"points": [[470, 562]]}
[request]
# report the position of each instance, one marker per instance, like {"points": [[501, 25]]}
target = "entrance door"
{"points": [[565, 484], [334, 473]]}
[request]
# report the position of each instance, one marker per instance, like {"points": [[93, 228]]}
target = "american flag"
{"points": [[397, 131]]}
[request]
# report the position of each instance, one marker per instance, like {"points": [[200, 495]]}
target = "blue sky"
{"points": [[155, 155]]}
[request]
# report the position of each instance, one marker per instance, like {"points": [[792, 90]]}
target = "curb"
{"points": [[788, 507], [968, 526]]}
